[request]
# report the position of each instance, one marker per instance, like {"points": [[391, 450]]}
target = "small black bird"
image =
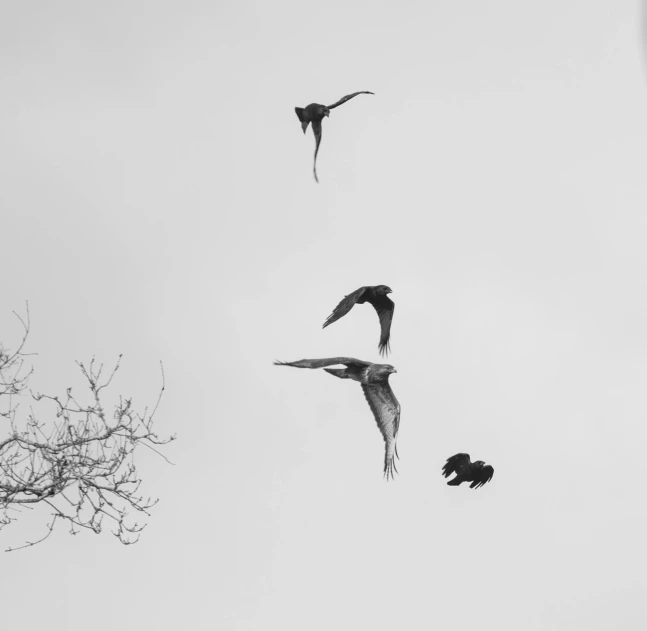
{"points": [[377, 296], [374, 379], [314, 113], [478, 473]]}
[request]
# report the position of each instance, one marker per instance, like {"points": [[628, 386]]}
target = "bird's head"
{"points": [[379, 373], [384, 289], [324, 111], [479, 463]]}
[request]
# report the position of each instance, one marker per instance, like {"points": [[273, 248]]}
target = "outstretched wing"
{"points": [[322, 363], [316, 128], [348, 97], [386, 410], [344, 306], [385, 308], [483, 475], [456, 464]]}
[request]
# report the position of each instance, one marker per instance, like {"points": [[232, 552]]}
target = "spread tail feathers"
{"points": [[455, 482], [389, 462]]}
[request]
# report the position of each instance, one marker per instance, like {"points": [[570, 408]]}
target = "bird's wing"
{"points": [[483, 475], [456, 464], [304, 121], [316, 128], [386, 410], [344, 306], [348, 97], [384, 307], [322, 363]]}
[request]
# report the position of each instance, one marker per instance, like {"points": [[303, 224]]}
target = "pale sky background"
{"points": [[157, 200]]}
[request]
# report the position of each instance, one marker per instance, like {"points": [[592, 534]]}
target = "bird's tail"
{"points": [[389, 461], [342, 373], [455, 482], [304, 123]]}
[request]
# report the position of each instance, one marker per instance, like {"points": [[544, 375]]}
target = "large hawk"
{"points": [[377, 296], [478, 473], [314, 113], [374, 379]]}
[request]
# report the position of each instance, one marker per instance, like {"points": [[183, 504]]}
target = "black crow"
{"points": [[478, 473]]}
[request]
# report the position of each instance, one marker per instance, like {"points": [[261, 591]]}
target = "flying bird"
{"points": [[478, 473], [377, 296], [314, 113], [374, 379]]}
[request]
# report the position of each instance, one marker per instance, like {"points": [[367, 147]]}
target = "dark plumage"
{"points": [[314, 113], [478, 473], [377, 296], [374, 379]]}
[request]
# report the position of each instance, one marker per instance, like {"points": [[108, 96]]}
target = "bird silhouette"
{"points": [[376, 296], [314, 113], [374, 379], [478, 473]]}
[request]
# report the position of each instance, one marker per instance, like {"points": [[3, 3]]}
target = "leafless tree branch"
{"points": [[80, 463]]}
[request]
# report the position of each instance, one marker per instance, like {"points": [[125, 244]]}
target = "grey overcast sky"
{"points": [[157, 200]]}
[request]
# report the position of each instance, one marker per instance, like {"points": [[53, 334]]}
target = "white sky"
{"points": [[158, 201]]}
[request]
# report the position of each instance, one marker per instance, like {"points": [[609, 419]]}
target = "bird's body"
{"points": [[478, 473], [374, 379], [377, 296], [314, 114]]}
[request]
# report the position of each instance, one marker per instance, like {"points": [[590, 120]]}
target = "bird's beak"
{"points": [[394, 370], [328, 114]]}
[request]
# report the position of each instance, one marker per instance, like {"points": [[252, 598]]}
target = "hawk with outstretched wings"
{"points": [[377, 296], [314, 113], [374, 379], [478, 473]]}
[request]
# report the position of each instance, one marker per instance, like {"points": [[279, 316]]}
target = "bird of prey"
{"points": [[374, 379], [478, 473], [314, 113], [384, 306]]}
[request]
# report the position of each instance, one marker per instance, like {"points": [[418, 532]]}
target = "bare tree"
{"points": [[80, 462]]}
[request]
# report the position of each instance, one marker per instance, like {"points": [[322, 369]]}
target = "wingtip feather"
{"points": [[389, 468], [384, 348]]}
